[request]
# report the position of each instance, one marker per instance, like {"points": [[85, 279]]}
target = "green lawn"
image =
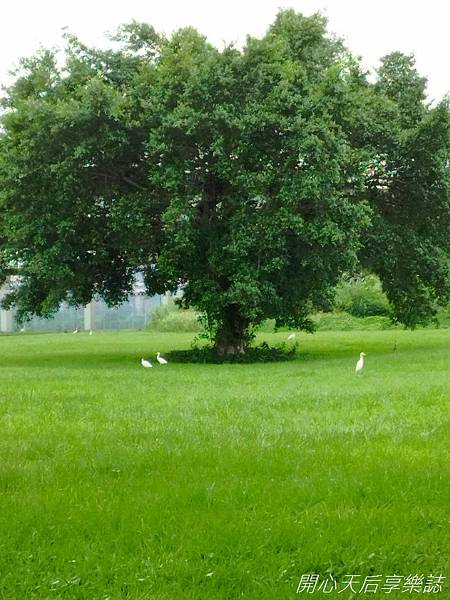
{"points": [[220, 481]]}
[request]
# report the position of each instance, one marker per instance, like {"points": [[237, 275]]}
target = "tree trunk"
{"points": [[231, 335]]}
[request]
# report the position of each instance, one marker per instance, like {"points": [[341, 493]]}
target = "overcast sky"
{"points": [[371, 28]]}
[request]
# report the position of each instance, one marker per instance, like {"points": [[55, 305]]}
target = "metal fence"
{"points": [[135, 313]]}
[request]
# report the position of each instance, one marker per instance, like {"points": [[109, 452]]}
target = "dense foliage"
{"points": [[362, 297], [251, 179]]}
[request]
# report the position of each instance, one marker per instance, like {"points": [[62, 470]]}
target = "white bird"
{"points": [[90, 332], [146, 363], [160, 359], [75, 331], [291, 337], [360, 364]]}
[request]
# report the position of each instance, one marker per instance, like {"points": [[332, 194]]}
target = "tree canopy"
{"points": [[251, 179]]}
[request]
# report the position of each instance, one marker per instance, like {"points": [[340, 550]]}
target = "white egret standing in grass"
{"points": [[360, 364], [291, 337], [75, 331], [160, 359], [90, 332], [146, 363]]}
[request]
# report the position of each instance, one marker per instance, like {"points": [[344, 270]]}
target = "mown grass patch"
{"points": [[220, 481]]}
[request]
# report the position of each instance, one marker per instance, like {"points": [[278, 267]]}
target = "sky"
{"points": [[371, 28]]}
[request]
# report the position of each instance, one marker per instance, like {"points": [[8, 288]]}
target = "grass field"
{"points": [[220, 481]]}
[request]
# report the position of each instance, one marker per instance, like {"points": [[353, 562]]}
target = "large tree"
{"points": [[250, 178]]}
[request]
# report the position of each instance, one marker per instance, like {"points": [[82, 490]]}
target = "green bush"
{"points": [[267, 326], [442, 318], [343, 321], [261, 353], [362, 297], [170, 318]]}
